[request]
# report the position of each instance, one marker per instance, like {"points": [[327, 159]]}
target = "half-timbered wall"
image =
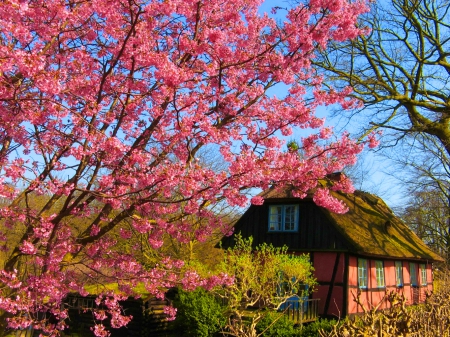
{"points": [[329, 269], [373, 294]]}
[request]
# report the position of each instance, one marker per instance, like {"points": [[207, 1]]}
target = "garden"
{"points": [[200, 314]]}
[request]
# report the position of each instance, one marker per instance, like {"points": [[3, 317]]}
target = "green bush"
{"points": [[281, 327], [198, 314], [312, 329]]}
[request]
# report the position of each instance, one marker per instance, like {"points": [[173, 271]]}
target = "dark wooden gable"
{"points": [[315, 230]]}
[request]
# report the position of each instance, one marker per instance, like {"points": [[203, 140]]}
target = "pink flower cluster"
{"points": [[107, 109], [192, 280], [323, 198]]}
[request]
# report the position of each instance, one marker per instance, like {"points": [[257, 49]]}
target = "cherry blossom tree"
{"points": [[104, 108]]}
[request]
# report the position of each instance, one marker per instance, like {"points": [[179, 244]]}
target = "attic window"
{"points": [[283, 218]]}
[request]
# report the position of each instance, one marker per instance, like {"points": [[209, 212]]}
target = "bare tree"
{"points": [[423, 168], [399, 71], [427, 215]]}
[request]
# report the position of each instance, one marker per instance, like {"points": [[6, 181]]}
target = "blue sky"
{"points": [[371, 166]]}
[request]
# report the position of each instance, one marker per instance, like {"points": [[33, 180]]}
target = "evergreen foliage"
{"points": [[199, 314], [275, 324]]}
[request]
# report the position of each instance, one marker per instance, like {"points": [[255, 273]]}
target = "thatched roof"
{"points": [[369, 226]]}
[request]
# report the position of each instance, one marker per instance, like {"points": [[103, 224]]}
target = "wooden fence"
{"points": [[148, 319], [302, 310]]}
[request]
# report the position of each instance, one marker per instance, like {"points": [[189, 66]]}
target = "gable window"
{"points": [[362, 273], [413, 274], [423, 274], [379, 272], [398, 273], [283, 218]]}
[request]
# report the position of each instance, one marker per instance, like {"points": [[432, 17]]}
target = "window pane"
{"points": [[283, 218], [413, 274], [362, 273], [398, 273], [275, 218], [379, 268], [423, 274], [290, 217]]}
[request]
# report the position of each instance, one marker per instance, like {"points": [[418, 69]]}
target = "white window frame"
{"points": [[423, 274], [399, 273], [363, 273], [379, 273], [279, 225]]}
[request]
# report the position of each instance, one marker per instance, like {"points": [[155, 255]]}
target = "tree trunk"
{"points": [[447, 236]]}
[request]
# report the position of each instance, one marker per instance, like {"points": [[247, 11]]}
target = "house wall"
{"points": [[417, 294], [329, 270], [373, 295], [336, 268]]}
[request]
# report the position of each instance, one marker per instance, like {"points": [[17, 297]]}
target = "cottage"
{"points": [[367, 250]]}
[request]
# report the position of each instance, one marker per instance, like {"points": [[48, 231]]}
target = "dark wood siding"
{"points": [[315, 231], [148, 318]]}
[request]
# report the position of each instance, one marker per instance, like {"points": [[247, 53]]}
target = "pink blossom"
{"points": [[323, 198], [219, 280], [178, 263], [28, 248], [100, 331], [100, 315], [326, 133], [125, 234], [95, 230], [155, 241], [170, 312], [373, 141], [257, 200], [192, 280], [3, 237]]}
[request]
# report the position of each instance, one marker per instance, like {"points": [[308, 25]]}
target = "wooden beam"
{"points": [[330, 288]]}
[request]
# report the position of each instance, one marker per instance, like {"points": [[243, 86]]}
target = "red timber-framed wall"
{"points": [[373, 294], [330, 271], [337, 277]]}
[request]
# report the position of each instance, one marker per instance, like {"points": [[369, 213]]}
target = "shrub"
{"points": [[312, 329], [198, 314], [275, 324]]}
